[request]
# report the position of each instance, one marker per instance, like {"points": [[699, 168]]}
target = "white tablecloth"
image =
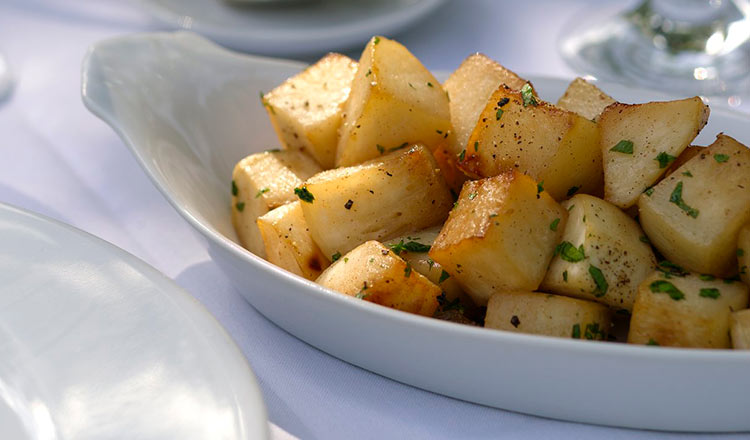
{"points": [[59, 160]]}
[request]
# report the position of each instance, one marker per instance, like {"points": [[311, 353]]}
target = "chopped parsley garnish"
{"points": [[721, 158], [652, 342], [443, 276], [369, 72], [669, 268], [335, 257], [624, 146], [601, 283], [409, 246], [472, 195], [430, 262], [380, 148], [527, 94], [709, 292], [476, 146], [462, 155], [261, 192], [687, 173], [377, 40], [499, 114], [360, 295], [539, 188], [235, 190], [644, 239], [676, 198], [273, 150], [664, 159], [707, 277], [304, 194], [573, 190], [565, 276], [649, 191], [593, 332], [661, 286], [553, 225], [455, 304], [570, 253], [576, 334], [407, 270], [429, 84], [240, 206]]}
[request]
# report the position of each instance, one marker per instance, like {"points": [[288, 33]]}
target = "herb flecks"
{"points": [[573, 190], [599, 280], [261, 192], [443, 276], [664, 159], [462, 156], [409, 246], [499, 114], [304, 194], [527, 94], [335, 257], [662, 286], [624, 146], [709, 292], [721, 158], [240, 206], [576, 333], [235, 190], [570, 253], [553, 225], [676, 198]]}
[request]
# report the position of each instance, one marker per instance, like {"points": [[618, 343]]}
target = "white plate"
{"points": [[284, 28], [189, 110], [96, 344]]}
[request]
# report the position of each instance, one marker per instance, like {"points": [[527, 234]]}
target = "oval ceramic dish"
{"points": [[96, 344], [189, 111]]}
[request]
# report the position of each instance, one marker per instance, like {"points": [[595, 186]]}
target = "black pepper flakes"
{"points": [[515, 321]]}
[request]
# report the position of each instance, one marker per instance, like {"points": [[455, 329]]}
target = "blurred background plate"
{"points": [[281, 27], [96, 344]]}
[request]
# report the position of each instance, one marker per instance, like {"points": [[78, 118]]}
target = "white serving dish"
{"points": [[290, 27], [96, 344], [189, 110]]}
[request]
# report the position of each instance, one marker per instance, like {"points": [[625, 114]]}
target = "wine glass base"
{"points": [[611, 46], [6, 80]]}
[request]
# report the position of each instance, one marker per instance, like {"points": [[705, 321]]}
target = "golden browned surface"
{"points": [[701, 233], [306, 110], [584, 98], [394, 100], [288, 242], [653, 128], [550, 144], [265, 181], [498, 236], [544, 314], [373, 273], [685, 319], [469, 88], [612, 242], [390, 196]]}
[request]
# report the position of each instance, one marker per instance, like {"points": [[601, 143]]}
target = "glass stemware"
{"points": [[688, 46]]}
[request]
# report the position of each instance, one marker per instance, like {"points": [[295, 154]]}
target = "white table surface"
{"points": [[59, 160]]}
